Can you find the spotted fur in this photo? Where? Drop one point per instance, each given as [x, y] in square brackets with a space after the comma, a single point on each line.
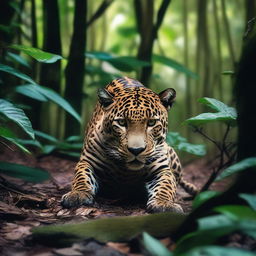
[125, 143]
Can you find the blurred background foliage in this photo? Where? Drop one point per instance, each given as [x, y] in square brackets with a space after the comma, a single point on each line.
[192, 46]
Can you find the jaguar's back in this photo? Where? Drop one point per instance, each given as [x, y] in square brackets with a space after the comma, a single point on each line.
[125, 142]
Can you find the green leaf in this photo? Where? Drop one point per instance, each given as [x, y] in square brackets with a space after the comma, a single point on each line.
[223, 114]
[74, 138]
[203, 197]
[46, 136]
[7, 134]
[23, 172]
[29, 91]
[55, 97]
[238, 167]
[175, 140]
[111, 229]
[237, 212]
[17, 115]
[17, 143]
[250, 199]
[16, 73]
[218, 106]
[19, 59]
[174, 64]
[154, 247]
[217, 251]
[48, 149]
[123, 63]
[214, 227]
[37, 54]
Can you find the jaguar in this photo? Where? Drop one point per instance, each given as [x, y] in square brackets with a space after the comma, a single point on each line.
[125, 143]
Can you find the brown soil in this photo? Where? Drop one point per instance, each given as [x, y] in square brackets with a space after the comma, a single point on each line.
[25, 205]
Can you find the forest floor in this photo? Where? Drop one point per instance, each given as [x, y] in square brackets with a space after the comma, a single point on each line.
[25, 205]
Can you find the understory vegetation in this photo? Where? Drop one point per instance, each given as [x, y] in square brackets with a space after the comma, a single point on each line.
[55, 54]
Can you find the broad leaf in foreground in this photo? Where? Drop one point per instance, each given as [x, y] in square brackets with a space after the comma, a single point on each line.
[43, 93]
[154, 247]
[175, 140]
[250, 199]
[223, 113]
[217, 251]
[37, 54]
[174, 64]
[16, 73]
[123, 63]
[111, 229]
[23, 172]
[17, 115]
[238, 167]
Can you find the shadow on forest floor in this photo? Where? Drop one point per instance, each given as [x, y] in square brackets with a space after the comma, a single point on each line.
[24, 205]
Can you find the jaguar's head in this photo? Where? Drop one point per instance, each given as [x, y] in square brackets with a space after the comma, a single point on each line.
[134, 123]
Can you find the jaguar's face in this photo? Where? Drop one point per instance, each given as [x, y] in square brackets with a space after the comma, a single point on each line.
[132, 130]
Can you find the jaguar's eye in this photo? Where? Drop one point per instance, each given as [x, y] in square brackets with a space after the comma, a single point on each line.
[151, 122]
[121, 122]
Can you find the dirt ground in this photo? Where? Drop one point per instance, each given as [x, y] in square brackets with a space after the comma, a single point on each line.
[25, 205]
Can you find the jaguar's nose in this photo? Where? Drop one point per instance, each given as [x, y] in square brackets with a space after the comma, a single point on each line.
[136, 151]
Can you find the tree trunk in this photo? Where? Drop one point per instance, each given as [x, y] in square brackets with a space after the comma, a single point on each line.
[144, 12]
[50, 75]
[76, 65]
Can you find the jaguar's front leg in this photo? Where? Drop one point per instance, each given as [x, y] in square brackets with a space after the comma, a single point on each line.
[161, 193]
[84, 187]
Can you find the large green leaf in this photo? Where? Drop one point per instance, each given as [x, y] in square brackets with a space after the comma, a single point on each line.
[37, 54]
[250, 199]
[154, 247]
[17, 115]
[212, 228]
[217, 251]
[224, 113]
[46, 136]
[29, 91]
[8, 135]
[237, 212]
[123, 63]
[19, 59]
[203, 197]
[178, 142]
[112, 229]
[55, 97]
[174, 64]
[43, 93]
[23, 172]
[16, 73]
[238, 167]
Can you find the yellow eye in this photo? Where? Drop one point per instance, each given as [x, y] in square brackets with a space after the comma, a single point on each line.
[121, 122]
[151, 122]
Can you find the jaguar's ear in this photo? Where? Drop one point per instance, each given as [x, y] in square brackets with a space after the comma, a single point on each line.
[167, 97]
[105, 98]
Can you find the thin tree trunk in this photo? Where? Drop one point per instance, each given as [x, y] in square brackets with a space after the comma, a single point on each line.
[218, 46]
[34, 36]
[50, 75]
[144, 12]
[144, 16]
[227, 33]
[189, 109]
[76, 65]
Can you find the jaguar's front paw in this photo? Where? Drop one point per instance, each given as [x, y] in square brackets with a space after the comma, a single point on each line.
[155, 207]
[76, 198]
